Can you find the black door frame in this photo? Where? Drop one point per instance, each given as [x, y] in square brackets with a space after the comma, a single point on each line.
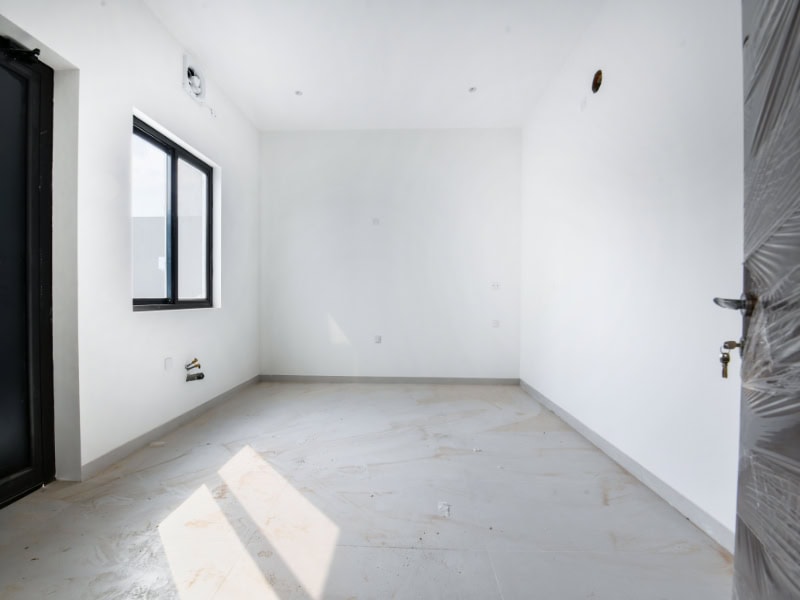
[25, 63]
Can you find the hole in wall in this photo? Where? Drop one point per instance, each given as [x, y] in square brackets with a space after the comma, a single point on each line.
[193, 80]
[597, 81]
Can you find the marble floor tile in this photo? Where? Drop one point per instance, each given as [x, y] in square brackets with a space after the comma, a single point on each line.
[360, 491]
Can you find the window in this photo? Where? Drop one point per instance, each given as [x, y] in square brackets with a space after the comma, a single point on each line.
[171, 197]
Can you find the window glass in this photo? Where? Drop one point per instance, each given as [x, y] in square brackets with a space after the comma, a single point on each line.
[192, 231]
[150, 208]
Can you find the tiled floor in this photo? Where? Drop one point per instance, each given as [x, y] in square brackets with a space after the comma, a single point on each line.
[342, 491]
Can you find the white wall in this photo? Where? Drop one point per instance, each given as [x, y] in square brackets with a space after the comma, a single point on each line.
[632, 222]
[448, 209]
[126, 60]
[66, 363]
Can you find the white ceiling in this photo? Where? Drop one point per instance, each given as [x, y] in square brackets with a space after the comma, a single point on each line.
[366, 64]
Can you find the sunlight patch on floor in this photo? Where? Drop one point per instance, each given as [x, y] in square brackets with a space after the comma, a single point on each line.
[299, 533]
[203, 550]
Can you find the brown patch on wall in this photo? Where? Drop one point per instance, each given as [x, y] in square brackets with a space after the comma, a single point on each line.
[726, 556]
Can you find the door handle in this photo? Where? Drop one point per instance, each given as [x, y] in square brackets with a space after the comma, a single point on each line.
[731, 303]
[745, 304]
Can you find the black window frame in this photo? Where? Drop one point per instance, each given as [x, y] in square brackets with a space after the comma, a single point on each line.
[175, 152]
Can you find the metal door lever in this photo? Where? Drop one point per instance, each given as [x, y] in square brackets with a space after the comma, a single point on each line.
[745, 304]
[730, 303]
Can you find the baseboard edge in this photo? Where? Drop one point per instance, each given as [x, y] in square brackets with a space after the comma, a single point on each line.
[371, 379]
[699, 517]
[101, 463]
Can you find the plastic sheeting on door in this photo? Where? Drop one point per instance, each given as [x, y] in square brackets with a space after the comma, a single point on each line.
[768, 513]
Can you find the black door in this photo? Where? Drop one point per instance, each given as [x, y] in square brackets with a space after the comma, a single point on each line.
[26, 391]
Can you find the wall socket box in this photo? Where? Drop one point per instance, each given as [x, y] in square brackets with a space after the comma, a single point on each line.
[378, 339]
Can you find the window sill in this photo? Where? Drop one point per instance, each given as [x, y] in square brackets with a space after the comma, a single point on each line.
[173, 306]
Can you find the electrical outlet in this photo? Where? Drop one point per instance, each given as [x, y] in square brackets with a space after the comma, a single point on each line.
[168, 363]
[495, 285]
[496, 324]
[376, 221]
[378, 339]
